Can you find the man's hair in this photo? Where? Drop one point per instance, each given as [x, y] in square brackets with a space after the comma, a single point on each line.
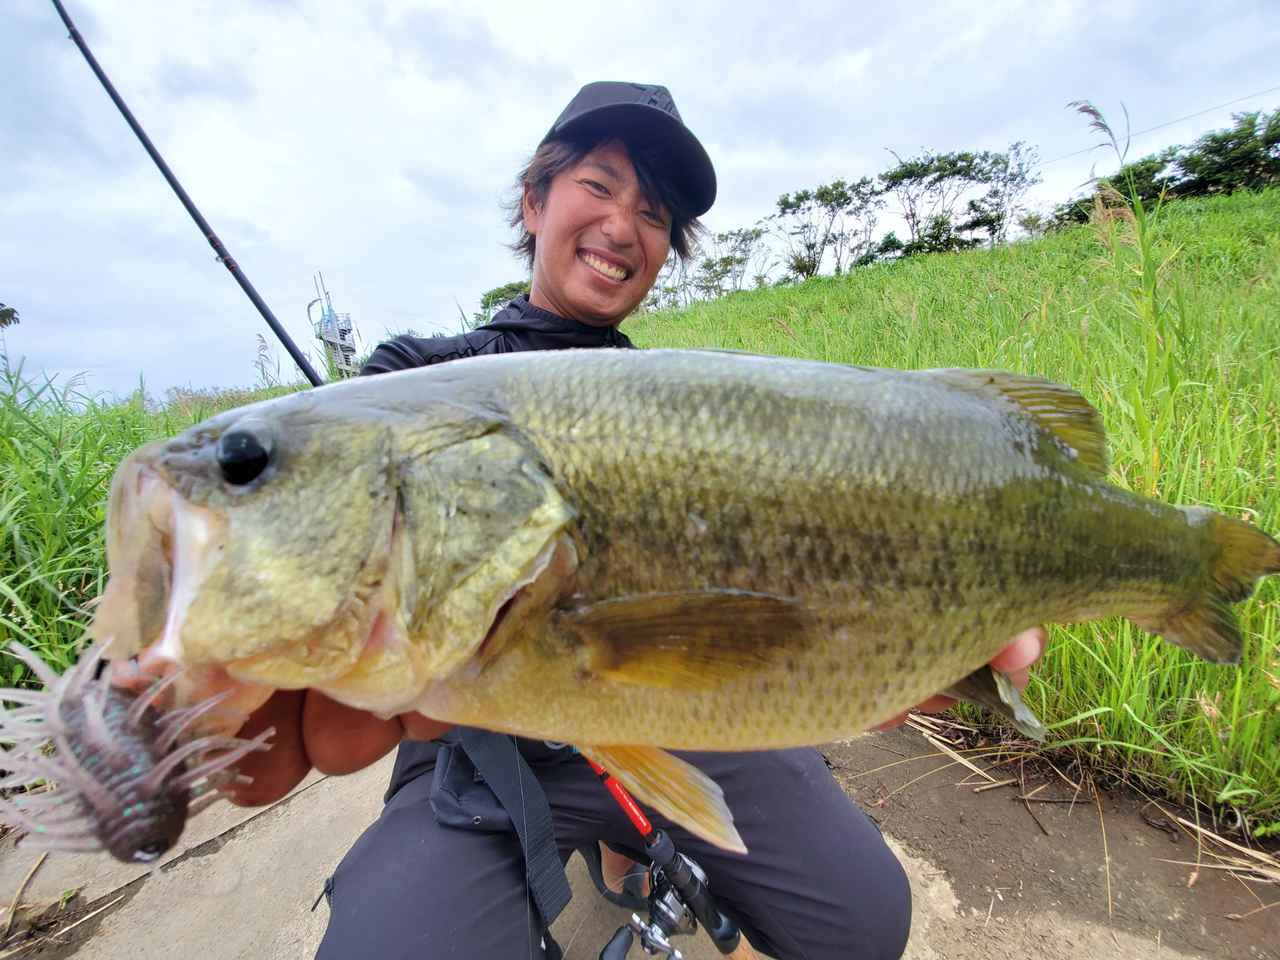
[556, 156]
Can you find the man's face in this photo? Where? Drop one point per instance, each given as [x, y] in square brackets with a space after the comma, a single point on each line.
[600, 243]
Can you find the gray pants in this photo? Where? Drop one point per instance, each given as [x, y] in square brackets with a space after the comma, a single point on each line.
[819, 882]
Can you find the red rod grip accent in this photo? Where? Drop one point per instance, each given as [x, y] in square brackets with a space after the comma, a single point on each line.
[629, 807]
[624, 799]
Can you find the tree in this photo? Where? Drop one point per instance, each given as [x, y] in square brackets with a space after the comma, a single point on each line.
[855, 222]
[1150, 178]
[8, 316]
[928, 187]
[889, 248]
[837, 217]
[498, 297]
[1243, 157]
[727, 259]
[711, 275]
[1033, 224]
[952, 201]
[673, 287]
[799, 221]
[749, 255]
[1008, 177]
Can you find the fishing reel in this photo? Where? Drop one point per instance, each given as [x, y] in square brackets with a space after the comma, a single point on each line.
[678, 901]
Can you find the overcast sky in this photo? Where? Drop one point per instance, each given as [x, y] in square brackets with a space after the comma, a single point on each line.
[374, 141]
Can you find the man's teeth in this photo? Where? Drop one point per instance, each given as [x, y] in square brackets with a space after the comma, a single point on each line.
[604, 266]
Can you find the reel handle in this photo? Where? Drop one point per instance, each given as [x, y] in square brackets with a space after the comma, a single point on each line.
[692, 888]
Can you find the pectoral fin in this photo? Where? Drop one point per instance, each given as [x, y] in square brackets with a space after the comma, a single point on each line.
[992, 689]
[685, 641]
[676, 789]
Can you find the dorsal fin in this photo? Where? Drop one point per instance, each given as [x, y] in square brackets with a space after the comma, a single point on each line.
[1060, 410]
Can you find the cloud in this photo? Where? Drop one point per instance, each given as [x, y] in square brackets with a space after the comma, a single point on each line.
[375, 142]
[184, 80]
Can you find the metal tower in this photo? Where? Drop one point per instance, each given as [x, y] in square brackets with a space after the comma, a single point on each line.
[335, 331]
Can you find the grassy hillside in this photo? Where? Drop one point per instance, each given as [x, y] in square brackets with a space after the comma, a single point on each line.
[1170, 324]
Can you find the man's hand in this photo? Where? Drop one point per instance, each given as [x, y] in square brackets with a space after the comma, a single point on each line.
[1015, 660]
[314, 731]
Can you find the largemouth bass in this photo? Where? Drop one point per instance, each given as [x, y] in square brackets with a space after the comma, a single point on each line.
[762, 552]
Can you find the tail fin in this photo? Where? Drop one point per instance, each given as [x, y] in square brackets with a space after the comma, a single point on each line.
[1242, 555]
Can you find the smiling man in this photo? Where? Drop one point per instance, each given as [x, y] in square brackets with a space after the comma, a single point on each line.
[602, 236]
[617, 183]
[465, 859]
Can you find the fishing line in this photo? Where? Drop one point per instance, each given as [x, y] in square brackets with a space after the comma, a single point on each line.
[1167, 123]
[524, 817]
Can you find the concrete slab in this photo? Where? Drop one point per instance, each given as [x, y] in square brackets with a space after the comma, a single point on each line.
[247, 891]
[96, 875]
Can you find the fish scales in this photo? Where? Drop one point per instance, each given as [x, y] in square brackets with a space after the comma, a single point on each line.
[924, 554]
[632, 550]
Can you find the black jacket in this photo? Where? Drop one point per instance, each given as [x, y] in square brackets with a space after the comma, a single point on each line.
[518, 326]
[469, 795]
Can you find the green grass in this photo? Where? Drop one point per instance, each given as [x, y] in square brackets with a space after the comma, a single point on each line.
[1170, 324]
[58, 450]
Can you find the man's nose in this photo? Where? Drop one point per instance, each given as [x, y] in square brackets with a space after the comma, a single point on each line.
[620, 226]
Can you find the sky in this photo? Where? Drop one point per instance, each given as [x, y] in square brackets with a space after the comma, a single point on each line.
[376, 142]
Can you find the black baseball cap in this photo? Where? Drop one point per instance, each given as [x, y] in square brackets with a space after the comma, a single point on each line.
[642, 112]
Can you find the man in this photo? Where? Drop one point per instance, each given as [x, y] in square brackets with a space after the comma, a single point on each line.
[453, 867]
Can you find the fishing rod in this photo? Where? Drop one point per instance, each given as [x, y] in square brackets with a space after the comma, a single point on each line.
[679, 898]
[218, 248]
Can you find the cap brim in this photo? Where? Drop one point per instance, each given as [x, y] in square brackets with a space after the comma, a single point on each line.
[687, 164]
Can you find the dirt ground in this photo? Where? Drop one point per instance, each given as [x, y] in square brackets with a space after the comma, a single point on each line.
[1030, 879]
[992, 876]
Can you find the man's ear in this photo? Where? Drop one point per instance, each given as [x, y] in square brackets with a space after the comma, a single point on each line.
[531, 209]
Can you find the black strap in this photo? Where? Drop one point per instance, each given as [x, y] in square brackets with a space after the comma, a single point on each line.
[497, 759]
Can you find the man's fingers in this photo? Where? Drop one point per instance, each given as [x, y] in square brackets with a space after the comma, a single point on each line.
[276, 771]
[418, 727]
[1016, 659]
[341, 739]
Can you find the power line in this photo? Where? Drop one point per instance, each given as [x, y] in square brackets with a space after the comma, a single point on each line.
[1170, 123]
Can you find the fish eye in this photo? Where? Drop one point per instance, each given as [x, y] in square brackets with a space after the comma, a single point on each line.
[243, 453]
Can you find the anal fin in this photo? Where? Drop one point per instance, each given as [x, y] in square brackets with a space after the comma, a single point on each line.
[674, 788]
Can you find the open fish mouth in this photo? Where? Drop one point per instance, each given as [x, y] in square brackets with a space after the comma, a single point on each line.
[132, 611]
[158, 547]
[167, 613]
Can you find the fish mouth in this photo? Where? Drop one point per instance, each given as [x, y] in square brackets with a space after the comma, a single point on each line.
[162, 553]
[196, 590]
[133, 609]
[158, 545]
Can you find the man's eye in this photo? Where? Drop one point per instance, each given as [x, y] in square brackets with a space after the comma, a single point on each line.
[595, 187]
[655, 218]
